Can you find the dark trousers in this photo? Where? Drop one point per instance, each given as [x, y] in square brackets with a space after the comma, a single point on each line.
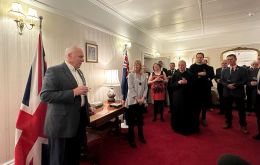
[196, 116]
[240, 104]
[135, 117]
[66, 151]
[203, 113]
[170, 93]
[203, 98]
[250, 98]
[220, 93]
[257, 111]
[158, 107]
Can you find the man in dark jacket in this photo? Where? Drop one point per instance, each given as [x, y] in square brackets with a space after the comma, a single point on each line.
[233, 80]
[224, 65]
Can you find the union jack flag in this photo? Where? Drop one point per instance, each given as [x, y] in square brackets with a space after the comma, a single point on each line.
[29, 126]
[124, 85]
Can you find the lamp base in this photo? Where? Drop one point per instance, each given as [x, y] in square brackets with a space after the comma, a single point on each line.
[111, 95]
[111, 100]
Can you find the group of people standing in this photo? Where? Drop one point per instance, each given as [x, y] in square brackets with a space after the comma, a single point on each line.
[189, 91]
[65, 91]
[234, 84]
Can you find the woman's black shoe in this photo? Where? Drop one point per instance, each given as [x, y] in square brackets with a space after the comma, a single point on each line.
[132, 144]
[142, 140]
[256, 137]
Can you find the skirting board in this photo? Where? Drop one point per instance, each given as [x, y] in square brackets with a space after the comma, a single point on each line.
[11, 162]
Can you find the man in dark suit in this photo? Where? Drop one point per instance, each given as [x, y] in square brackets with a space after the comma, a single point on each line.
[163, 69]
[64, 90]
[251, 88]
[224, 65]
[210, 84]
[257, 109]
[233, 80]
[169, 75]
[201, 86]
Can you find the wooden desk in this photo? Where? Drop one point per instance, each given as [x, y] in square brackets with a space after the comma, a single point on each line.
[104, 114]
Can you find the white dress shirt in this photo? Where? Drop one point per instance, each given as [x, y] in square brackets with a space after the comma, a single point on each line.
[78, 79]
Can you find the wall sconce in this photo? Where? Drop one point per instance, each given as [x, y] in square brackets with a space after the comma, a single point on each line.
[157, 54]
[128, 44]
[16, 9]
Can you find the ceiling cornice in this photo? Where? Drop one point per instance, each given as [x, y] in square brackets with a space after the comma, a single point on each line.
[108, 8]
[73, 17]
[91, 24]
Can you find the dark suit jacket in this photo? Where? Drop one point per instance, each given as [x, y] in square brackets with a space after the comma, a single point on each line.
[252, 75]
[239, 78]
[64, 110]
[165, 70]
[169, 73]
[218, 76]
[211, 75]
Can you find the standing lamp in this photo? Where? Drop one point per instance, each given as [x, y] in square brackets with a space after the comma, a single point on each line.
[111, 80]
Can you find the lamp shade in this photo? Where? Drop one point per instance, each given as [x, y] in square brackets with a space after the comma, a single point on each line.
[32, 14]
[16, 9]
[111, 78]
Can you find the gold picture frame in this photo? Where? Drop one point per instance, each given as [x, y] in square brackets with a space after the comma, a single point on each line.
[91, 53]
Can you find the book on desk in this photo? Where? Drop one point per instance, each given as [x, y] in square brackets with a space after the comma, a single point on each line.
[116, 105]
[96, 104]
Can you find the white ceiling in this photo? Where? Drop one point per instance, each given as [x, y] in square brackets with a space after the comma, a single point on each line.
[177, 20]
[178, 24]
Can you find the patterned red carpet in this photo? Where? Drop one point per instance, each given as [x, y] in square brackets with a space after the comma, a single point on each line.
[165, 147]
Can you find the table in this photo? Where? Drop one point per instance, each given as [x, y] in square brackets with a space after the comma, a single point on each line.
[106, 113]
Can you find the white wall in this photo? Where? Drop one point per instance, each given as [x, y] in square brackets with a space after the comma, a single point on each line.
[150, 61]
[16, 54]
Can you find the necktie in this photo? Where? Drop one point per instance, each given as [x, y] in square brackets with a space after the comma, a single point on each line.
[85, 99]
[81, 76]
[232, 70]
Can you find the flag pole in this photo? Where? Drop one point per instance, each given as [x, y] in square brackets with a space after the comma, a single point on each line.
[124, 124]
[41, 18]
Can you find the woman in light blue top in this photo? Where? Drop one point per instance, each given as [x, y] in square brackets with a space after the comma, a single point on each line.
[136, 98]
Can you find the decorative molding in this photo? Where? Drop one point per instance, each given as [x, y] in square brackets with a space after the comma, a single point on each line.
[108, 8]
[238, 48]
[73, 17]
[84, 21]
[241, 48]
[208, 47]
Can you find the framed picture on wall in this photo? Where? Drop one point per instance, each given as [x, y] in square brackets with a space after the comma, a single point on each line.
[91, 53]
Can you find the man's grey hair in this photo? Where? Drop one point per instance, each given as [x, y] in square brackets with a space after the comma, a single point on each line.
[71, 49]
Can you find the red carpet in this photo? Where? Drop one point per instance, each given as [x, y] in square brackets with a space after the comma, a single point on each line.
[166, 147]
